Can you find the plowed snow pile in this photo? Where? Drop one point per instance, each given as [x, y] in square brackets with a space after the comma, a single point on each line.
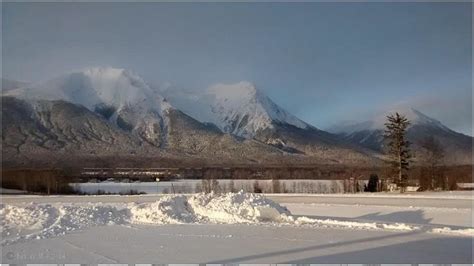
[227, 208]
[36, 221]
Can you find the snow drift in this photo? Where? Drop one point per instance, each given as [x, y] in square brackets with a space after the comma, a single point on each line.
[37, 221]
[227, 208]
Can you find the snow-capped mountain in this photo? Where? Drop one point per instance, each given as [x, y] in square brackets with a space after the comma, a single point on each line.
[114, 111]
[369, 134]
[97, 86]
[240, 109]
[120, 96]
[378, 122]
[103, 89]
[110, 112]
[245, 111]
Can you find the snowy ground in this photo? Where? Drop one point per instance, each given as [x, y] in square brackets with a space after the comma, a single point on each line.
[363, 228]
[6, 191]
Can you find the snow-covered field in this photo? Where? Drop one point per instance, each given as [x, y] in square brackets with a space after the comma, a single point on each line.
[240, 227]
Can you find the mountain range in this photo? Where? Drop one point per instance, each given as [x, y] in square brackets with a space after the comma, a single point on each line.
[99, 112]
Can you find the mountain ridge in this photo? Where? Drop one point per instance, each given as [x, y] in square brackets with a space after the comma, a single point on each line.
[82, 111]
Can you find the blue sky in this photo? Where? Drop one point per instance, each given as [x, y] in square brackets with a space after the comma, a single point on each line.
[324, 62]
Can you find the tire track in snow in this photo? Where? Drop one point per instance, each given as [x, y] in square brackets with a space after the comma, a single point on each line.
[89, 251]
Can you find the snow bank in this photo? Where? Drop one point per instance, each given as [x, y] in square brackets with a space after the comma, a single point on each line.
[6, 191]
[27, 218]
[353, 225]
[464, 195]
[237, 208]
[36, 221]
[400, 226]
[227, 208]
[167, 210]
[449, 231]
[44, 220]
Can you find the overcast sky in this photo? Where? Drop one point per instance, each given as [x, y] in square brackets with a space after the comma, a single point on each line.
[324, 62]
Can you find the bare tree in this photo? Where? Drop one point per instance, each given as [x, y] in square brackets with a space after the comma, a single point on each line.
[206, 185]
[232, 186]
[215, 187]
[334, 188]
[276, 186]
[434, 154]
[398, 147]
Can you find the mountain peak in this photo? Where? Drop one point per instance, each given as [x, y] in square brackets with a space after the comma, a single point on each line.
[236, 90]
[103, 71]
[93, 86]
[243, 90]
[415, 117]
[117, 94]
[238, 108]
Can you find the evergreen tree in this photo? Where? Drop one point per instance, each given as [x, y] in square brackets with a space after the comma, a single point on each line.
[256, 187]
[373, 184]
[398, 147]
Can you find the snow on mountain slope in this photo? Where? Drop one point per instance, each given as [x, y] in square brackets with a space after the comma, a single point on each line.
[97, 86]
[243, 110]
[106, 110]
[118, 95]
[240, 108]
[378, 122]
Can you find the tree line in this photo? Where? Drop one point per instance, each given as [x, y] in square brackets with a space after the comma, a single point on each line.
[44, 181]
